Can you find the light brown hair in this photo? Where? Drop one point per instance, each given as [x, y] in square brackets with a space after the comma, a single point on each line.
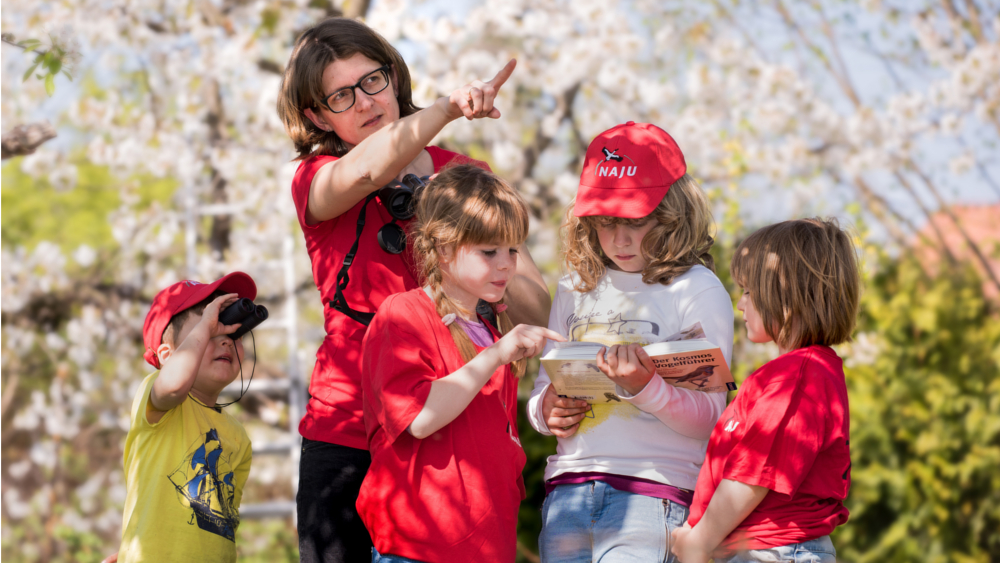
[466, 205]
[302, 83]
[680, 239]
[803, 279]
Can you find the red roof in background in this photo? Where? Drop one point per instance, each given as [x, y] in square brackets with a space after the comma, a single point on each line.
[981, 223]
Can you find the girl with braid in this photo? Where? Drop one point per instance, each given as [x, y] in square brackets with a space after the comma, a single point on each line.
[440, 385]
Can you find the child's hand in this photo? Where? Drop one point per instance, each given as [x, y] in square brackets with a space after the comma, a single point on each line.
[210, 317]
[523, 342]
[562, 415]
[628, 366]
[685, 548]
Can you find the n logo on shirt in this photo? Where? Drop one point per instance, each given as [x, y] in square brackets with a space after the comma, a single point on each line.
[731, 425]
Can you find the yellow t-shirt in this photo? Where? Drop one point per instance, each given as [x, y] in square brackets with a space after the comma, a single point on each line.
[184, 478]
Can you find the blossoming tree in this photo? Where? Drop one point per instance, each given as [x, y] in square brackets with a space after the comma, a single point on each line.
[863, 110]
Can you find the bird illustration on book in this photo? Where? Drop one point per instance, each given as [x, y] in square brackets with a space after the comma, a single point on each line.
[689, 333]
[205, 482]
[611, 155]
[611, 397]
[699, 376]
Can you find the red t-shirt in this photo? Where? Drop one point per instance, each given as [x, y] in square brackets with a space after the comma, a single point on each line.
[454, 495]
[333, 413]
[788, 430]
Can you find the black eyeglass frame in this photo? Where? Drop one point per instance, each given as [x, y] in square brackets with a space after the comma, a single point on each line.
[384, 69]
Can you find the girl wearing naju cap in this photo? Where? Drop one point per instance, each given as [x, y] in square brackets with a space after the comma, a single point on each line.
[440, 384]
[637, 242]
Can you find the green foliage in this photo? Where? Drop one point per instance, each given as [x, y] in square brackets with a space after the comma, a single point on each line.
[267, 541]
[925, 413]
[39, 539]
[59, 57]
[34, 210]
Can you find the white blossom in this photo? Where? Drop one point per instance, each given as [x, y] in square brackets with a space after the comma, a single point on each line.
[745, 113]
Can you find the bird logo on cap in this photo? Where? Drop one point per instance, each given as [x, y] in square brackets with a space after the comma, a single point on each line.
[611, 155]
[611, 170]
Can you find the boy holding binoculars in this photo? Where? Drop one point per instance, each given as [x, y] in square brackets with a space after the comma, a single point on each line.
[186, 461]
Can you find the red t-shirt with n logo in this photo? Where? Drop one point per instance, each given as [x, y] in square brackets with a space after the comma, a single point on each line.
[788, 430]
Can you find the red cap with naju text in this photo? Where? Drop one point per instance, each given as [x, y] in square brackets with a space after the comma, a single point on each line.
[627, 171]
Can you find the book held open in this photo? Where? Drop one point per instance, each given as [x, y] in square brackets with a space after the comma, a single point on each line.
[686, 359]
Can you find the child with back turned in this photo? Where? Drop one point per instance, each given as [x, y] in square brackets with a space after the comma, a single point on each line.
[637, 243]
[778, 467]
[440, 384]
[186, 461]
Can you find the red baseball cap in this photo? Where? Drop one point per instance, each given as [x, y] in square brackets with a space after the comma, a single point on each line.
[184, 295]
[627, 171]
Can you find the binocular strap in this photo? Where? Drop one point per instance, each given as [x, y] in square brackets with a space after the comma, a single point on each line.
[339, 302]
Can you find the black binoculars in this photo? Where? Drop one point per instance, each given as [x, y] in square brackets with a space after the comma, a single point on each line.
[245, 312]
[400, 197]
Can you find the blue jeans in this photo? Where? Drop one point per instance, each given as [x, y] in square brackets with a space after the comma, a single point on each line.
[593, 522]
[819, 550]
[379, 558]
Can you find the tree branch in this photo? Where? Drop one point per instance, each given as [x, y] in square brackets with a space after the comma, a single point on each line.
[215, 119]
[956, 21]
[974, 24]
[880, 207]
[355, 9]
[10, 390]
[844, 73]
[927, 213]
[883, 207]
[843, 81]
[24, 139]
[735, 22]
[268, 65]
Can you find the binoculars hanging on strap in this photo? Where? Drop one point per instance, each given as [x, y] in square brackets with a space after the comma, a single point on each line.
[399, 198]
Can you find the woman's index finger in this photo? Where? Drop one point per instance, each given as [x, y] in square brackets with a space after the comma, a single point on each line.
[504, 74]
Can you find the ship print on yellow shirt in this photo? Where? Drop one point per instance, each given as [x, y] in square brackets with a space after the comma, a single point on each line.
[204, 482]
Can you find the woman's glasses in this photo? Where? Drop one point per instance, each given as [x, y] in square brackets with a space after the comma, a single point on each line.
[371, 84]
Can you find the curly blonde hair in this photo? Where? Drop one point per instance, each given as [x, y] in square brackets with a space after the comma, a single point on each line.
[680, 239]
[466, 205]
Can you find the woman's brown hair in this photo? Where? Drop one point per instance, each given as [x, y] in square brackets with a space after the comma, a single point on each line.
[302, 83]
[680, 239]
[466, 205]
[803, 279]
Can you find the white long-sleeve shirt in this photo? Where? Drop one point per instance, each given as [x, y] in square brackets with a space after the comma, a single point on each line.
[662, 432]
